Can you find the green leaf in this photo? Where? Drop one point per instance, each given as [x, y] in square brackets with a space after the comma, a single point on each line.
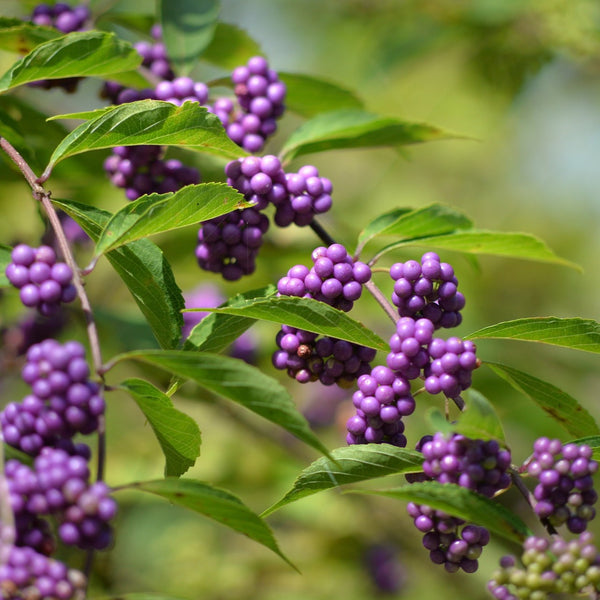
[176, 432]
[496, 243]
[158, 213]
[564, 409]
[235, 380]
[21, 37]
[230, 47]
[350, 128]
[593, 441]
[437, 421]
[187, 29]
[351, 464]
[5, 260]
[217, 504]
[308, 96]
[406, 223]
[13, 453]
[144, 270]
[78, 54]
[31, 134]
[149, 122]
[479, 420]
[575, 333]
[306, 313]
[217, 331]
[462, 503]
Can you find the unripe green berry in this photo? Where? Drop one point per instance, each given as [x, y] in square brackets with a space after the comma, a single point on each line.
[593, 574]
[581, 565]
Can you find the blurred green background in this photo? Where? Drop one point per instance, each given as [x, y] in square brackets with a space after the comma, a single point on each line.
[519, 80]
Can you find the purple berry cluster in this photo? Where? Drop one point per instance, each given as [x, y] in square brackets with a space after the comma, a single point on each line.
[409, 346]
[43, 283]
[261, 180]
[383, 398]
[61, 16]
[384, 567]
[26, 574]
[550, 567]
[66, 19]
[565, 493]
[155, 59]
[55, 495]
[452, 362]
[450, 542]
[307, 357]
[142, 170]
[308, 195]
[230, 243]
[260, 95]
[154, 55]
[475, 464]
[180, 90]
[224, 241]
[58, 485]
[446, 365]
[335, 278]
[427, 289]
[478, 465]
[63, 401]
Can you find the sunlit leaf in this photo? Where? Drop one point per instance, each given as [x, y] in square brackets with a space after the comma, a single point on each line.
[349, 465]
[462, 503]
[78, 54]
[217, 331]
[144, 270]
[21, 36]
[159, 213]
[149, 122]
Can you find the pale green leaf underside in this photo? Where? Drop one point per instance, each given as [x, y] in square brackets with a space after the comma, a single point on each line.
[352, 128]
[217, 504]
[177, 433]
[561, 407]
[575, 333]
[495, 243]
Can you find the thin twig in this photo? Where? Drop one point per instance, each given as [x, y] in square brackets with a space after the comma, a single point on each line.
[43, 196]
[391, 312]
[320, 231]
[518, 481]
